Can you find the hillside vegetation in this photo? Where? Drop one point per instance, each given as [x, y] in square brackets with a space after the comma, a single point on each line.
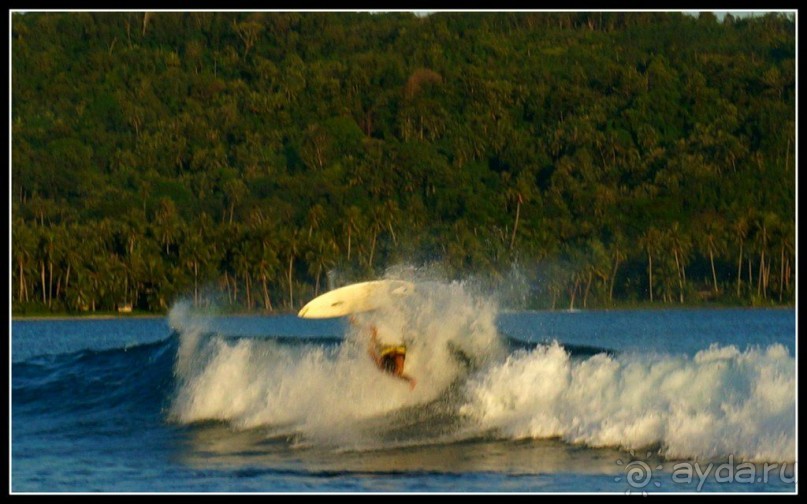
[613, 158]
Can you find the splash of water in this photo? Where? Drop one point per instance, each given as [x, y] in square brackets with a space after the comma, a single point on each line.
[721, 402]
[330, 394]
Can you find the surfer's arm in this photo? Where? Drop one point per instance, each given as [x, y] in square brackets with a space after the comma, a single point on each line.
[374, 355]
[372, 349]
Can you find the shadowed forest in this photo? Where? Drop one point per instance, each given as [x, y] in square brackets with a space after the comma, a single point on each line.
[613, 159]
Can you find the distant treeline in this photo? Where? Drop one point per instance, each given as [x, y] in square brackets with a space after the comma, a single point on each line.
[614, 158]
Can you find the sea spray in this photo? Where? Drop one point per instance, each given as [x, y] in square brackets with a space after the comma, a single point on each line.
[330, 395]
[191, 327]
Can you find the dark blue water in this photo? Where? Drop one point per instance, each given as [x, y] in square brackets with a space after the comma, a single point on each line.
[280, 404]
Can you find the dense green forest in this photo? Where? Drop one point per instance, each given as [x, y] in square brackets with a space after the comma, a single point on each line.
[237, 158]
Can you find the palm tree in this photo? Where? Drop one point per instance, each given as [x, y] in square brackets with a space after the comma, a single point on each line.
[155, 279]
[267, 264]
[518, 192]
[45, 254]
[352, 224]
[390, 208]
[244, 252]
[292, 244]
[235, 190]
[596, 265]
[765, 224]
[740, 229]
[130, 230]
[82, 290]
[713, 234]
[618, 254]
[779, 233]
[788, 248]
[228, 237]
[681, 245]
[195, 253]
[78, 292]
[650, 242]
[167, 223]
[321, 257]
[315, 216]
[376, 226]
[22, 248]
[519, 200]
[65, 252]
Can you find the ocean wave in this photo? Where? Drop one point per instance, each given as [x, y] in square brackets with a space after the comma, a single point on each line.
[474, 383]
[133, 377]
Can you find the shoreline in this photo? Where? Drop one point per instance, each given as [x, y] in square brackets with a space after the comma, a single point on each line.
[112, 316]
[62, 316]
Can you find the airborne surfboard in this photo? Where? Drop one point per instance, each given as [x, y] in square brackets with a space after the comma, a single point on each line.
[356, 298]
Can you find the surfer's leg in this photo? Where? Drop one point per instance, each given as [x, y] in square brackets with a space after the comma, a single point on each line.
[400, 358]
[412, 381]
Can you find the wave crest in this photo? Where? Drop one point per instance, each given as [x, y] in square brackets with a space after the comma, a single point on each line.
[719, 403]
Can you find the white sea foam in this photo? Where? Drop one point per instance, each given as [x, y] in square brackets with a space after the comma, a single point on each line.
[720, 402]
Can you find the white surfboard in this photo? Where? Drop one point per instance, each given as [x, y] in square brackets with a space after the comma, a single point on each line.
[355, 298]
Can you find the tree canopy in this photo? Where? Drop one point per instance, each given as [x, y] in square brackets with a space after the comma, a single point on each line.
[238, 158]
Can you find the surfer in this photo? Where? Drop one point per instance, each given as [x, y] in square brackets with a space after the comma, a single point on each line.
[388, 358]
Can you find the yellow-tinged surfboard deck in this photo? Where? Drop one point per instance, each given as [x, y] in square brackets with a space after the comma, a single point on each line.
[356, 298]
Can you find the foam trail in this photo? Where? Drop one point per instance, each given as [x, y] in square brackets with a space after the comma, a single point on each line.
[721, 402]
